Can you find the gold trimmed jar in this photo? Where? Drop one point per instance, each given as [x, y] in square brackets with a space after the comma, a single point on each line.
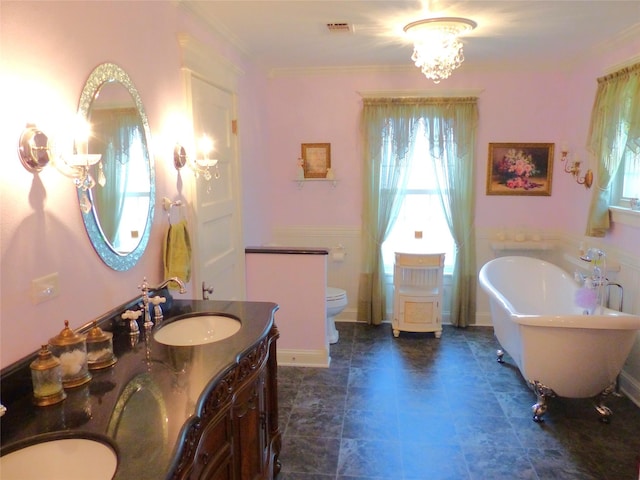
[70, 349]
[99, 348]
[46, 376]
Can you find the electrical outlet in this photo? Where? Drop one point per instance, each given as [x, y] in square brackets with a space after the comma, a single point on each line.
[45, 288]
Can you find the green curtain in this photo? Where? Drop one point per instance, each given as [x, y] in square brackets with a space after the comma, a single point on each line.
[613, 132]
[450, 126]
[388, 128]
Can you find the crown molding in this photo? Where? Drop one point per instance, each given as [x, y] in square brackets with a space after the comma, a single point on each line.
[333, 70]
[436, 92]
[619, 66]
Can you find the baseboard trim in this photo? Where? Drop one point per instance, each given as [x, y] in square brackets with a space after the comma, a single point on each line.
[348, 315]
[483, 320]
[303, 358]
[630, 387]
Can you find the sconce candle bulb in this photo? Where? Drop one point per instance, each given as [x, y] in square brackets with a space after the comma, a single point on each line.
[205, 145]
[201, 164]
[36, 152]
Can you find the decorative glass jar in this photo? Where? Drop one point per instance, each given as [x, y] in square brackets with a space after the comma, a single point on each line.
[70, 349]
[99, 348]
[46, 376]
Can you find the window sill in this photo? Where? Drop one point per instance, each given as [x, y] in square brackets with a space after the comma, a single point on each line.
[625, 216]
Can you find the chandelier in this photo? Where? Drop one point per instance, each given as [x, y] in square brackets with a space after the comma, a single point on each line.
[436, 49]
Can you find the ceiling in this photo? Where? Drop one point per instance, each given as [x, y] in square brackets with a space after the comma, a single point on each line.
[293, 34]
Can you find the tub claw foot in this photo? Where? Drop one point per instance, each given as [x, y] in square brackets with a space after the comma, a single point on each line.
[542, 394]
[539, 409]
[604, 411]
[500, 355]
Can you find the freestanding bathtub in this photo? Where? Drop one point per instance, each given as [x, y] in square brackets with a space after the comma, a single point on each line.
[558, 349]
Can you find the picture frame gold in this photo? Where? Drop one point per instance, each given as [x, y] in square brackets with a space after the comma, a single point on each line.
[520, 169]
[316, 159]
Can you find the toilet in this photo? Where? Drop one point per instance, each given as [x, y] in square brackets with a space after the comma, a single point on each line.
[336, 302]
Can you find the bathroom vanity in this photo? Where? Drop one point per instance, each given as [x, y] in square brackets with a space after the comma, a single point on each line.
[181, 412]
[417, 298]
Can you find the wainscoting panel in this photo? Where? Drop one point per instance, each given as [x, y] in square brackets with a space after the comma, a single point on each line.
[553, 246]
[344, 271]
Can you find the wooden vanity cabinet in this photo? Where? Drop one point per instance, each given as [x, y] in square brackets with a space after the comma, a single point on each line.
[237, 436]
[213, 457]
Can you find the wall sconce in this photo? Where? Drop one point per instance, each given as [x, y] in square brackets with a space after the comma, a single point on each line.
[573, 167]
[35, 152]
[200, 165]
[33, 148]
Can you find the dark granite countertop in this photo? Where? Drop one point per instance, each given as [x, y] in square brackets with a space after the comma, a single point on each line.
[147, 399]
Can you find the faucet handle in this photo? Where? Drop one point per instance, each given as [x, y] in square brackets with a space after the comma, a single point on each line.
[131, 314]
[157, 310]
[157, 300]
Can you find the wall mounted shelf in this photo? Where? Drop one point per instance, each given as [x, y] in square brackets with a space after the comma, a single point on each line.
[610, 265]
[525, 245]
[301, 182]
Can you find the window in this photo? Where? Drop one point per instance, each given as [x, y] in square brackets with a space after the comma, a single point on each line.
[422, 211]
[134, 181]
[627, 182]
[631, 176]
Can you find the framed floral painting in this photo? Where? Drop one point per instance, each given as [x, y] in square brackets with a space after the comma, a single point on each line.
[520, 169]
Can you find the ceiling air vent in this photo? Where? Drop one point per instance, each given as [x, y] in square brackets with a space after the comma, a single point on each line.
[340, 27]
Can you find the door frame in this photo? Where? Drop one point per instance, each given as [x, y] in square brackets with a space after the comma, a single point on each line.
[199, 60]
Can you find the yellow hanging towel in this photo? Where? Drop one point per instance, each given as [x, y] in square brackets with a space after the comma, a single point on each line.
[176, 253]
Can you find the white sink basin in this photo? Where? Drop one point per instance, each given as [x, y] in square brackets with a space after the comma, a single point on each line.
[68, 458]
[197, 330]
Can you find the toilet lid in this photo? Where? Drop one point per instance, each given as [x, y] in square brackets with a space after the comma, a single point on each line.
[335, 293]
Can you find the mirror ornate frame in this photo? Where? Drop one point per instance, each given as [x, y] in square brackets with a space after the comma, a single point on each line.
[102, 74]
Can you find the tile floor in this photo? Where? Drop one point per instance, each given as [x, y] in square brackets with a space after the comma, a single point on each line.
[418, 408]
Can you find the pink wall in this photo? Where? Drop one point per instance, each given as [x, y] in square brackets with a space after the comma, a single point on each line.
[299, 291]
[525, 107]
[48, 51]
[515, 106]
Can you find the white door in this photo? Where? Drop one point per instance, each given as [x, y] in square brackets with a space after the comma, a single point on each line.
[218, 252]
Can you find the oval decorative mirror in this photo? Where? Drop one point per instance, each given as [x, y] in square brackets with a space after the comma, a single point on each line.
[119, 213]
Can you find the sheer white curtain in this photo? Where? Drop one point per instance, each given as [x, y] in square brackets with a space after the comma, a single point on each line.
[390, 126]
[120, 129]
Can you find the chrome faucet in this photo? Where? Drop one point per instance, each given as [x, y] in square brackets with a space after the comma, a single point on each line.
[598, 276]
[183, 288]
[145, 288]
